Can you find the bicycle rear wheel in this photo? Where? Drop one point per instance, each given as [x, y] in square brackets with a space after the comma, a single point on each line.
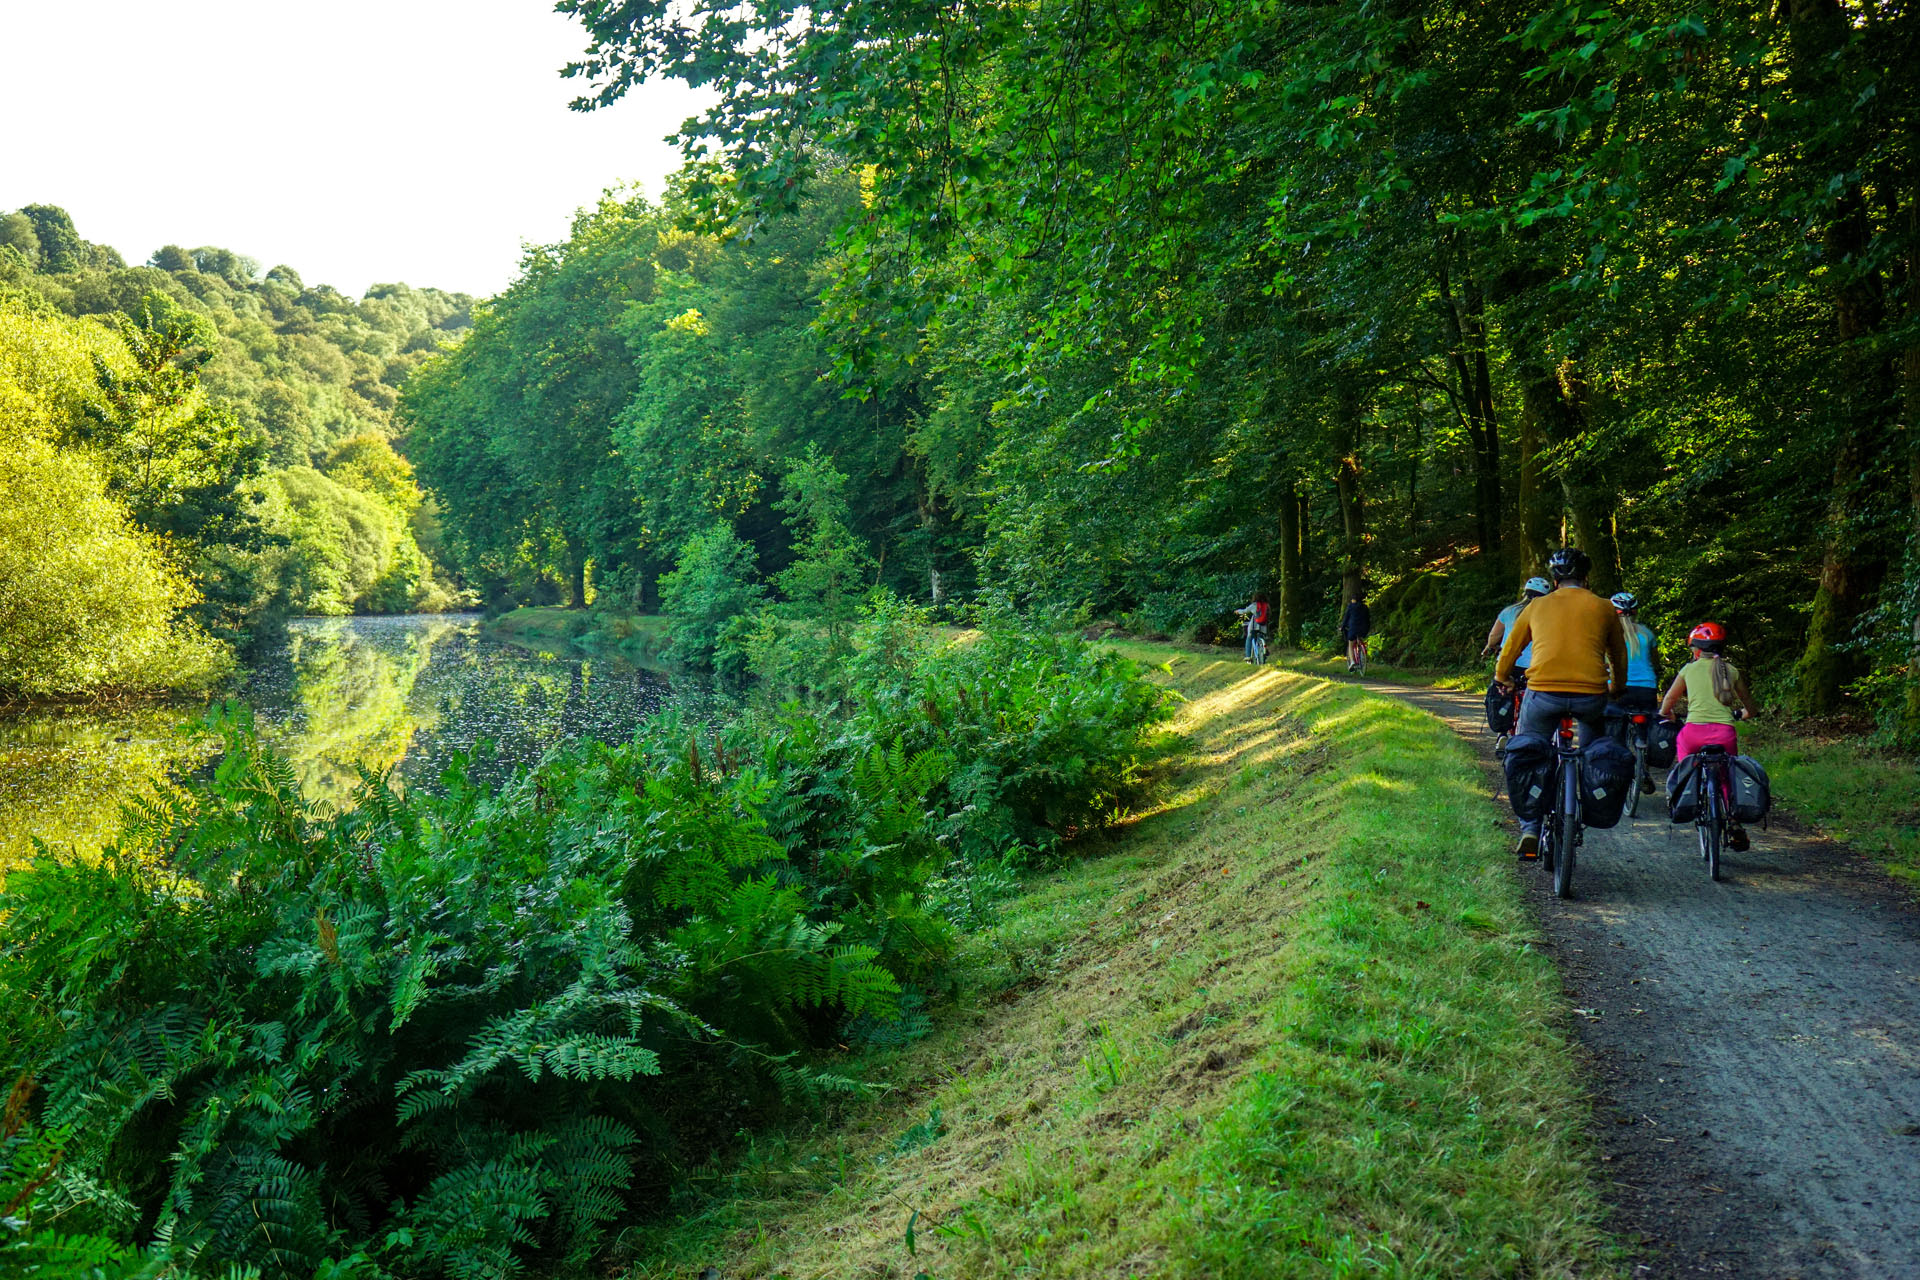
[1566, 823]
[1713, 826]
[1639, 768]
[1709, 831]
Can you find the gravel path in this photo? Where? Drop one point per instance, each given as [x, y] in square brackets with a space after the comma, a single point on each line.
[1755, 1043]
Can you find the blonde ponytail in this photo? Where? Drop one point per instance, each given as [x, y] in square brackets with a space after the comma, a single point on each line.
[1723, 681]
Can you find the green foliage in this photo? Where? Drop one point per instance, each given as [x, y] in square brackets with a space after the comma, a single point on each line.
[641, 381]
[709, 598]
[87, 598]
[1319, 297]
[179, 384]
[825, 581]
[460, 1033]
[143, 409]
[349, 552]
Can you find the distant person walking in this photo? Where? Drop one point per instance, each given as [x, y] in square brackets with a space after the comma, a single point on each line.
[1356, 624]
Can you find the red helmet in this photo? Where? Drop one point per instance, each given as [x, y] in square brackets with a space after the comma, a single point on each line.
[1707, 633]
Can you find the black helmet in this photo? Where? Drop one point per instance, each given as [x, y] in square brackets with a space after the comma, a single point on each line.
[1569, 562]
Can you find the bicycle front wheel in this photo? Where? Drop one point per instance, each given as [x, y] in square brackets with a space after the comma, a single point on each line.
[1566, 822]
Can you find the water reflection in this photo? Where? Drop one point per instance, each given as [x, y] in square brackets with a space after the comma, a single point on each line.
[400, 694]
[64, 775]
[407, 693]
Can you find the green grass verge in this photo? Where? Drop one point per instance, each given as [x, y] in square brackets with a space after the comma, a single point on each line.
[1863, 795]
[1290, 1022]
[637, 638]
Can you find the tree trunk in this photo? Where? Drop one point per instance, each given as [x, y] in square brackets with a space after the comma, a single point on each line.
[1556, 414]
[1353, 512]
[646, 596]
[1465, 316]
[1910, 399]
[1591, 513]
[1538, 507]
[1591, 497]
[1413, 482]
[576, 577]
[1849, 570]
[1292, 567]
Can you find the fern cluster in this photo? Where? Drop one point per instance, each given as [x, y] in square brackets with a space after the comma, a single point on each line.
[463, 1031]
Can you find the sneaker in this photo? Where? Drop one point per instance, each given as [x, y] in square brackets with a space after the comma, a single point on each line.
[1737, 838]
[1528, 849]
[1646, 784]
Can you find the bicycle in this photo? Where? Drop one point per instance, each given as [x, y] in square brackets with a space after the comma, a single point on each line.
[1561, 831]
[1256, 638]
[1634, 728]
[1711, 817]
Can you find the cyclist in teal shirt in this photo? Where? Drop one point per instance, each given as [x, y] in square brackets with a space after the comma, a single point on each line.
[1643, 679]
[1535, 588]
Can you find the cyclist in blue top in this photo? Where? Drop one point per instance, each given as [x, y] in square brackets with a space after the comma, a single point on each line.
[1643, 679]
[1535, 588]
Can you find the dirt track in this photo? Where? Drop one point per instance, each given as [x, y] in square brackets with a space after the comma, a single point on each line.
[1755, 1043]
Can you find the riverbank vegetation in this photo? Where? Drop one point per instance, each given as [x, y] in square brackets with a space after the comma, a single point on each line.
[1290, 1021]
[190, 452]
[458, 1032]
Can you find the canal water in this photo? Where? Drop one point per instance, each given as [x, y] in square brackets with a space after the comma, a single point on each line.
[392, 694]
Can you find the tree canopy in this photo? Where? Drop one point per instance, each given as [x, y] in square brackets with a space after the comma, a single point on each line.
[208, 448]
[1185, 301]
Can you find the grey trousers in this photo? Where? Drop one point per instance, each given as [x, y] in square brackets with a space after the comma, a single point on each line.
[1541, 713]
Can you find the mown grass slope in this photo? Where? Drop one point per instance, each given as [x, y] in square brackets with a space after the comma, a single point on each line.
[1291, 1022]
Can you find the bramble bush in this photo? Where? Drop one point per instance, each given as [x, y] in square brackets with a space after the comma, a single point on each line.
[462, 1032]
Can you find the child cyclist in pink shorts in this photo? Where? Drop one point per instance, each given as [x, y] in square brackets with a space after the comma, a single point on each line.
[1716, 696]
[1711, 687]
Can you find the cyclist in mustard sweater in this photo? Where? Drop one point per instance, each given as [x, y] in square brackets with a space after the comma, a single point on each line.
[1579, 657]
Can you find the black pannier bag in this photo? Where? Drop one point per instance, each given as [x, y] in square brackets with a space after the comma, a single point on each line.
[1529, 764]
[1500, 713]
[1752, 793]
[1683, 797]
[1606, 775]
[1663, 744]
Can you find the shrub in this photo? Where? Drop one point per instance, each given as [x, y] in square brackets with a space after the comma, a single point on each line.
[457, 1033]
[87, 599]
[709, 597]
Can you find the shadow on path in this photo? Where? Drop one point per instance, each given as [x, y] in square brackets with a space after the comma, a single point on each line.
[1755, 1043]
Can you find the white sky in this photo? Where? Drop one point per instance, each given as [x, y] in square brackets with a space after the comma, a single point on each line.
[356, 141]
